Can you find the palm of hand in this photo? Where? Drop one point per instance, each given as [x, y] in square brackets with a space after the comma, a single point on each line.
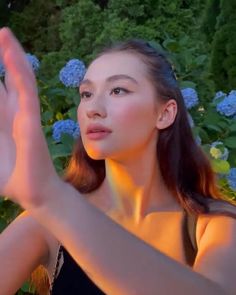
[26, 166]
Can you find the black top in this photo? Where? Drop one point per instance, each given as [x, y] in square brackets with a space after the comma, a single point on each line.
[72, 280]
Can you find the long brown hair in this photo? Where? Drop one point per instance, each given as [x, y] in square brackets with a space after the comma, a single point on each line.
[185, 168]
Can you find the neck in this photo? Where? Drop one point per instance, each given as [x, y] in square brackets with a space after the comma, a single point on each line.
[136, 188]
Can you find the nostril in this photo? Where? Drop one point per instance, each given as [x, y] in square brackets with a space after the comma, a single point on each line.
[91, 113]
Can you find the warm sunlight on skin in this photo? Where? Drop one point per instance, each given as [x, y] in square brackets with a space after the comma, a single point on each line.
[119, 117]
[127, 106]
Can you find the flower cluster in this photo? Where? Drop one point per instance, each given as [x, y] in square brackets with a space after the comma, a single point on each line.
[72, 73]
[218, 151]
[33, 60]
[2, 70]
[231, 177]
[67, 126]
[219, 94]
[190, 97]
[227, 106]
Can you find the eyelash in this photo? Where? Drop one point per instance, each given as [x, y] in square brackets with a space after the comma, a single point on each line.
[120, 88]
[112, 91]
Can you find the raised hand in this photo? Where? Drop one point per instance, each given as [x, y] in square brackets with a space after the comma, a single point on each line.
[26, 168]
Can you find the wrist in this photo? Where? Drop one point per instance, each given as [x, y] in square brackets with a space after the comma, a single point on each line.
[48, 194]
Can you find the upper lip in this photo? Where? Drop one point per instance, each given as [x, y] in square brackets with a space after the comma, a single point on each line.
[97, 128]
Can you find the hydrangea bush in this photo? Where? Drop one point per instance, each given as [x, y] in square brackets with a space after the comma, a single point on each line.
[214, 128]
[213, 125]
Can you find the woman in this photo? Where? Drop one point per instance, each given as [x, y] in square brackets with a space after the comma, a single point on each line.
[120, 209]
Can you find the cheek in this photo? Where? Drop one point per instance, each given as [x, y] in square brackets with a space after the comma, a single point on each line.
[138, 115]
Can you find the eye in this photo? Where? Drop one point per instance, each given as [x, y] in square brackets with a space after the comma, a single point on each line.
[85, 94]
[119, 90]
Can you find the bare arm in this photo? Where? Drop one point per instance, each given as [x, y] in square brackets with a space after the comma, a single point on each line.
[216, 258]
[119, 262]
[22, 248]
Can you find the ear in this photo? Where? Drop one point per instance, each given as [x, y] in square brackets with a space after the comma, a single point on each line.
[167, 114]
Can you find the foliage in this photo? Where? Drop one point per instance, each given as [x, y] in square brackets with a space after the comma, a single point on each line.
[211, 126]
[42, 34]
[78, 29]
[8, 6]
[67, 29]
[221, 24]
[211, 12]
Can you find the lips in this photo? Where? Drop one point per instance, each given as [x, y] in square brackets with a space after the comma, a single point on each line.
[97, 128]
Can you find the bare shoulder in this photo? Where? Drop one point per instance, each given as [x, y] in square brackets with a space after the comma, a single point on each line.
[216, 257]
[215, 221]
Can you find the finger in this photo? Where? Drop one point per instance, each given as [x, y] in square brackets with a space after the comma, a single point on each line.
[19, 74]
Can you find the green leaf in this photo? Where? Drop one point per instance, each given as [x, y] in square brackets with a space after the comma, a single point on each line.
[220, 166]
[212, 118]
[171, 45]
[187, 84]
[47, 129]
[63, 149]
[232, 127]
[76, 99]
[3, 224]
[25, 287]
[213, 127]
[201, 59]
[230, 142]
[203, 135]
[60, 150]
[67, 140]
[223, 124]
[56, 91]
[156, 45]
[46, 116]
[72, 113]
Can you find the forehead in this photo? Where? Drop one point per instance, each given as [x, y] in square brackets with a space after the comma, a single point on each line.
[116, 63]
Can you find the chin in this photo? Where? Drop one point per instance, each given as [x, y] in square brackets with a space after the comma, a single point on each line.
[96, 155]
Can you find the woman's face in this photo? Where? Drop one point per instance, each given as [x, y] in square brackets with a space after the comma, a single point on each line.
[118, 109]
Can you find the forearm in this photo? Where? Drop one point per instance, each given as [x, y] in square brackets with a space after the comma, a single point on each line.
[118, 262]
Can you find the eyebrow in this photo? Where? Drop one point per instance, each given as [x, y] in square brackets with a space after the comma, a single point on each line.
[111, 79]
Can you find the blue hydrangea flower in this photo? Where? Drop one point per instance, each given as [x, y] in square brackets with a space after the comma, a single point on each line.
[33, 60]
[190, 97]
[2, 70]
[72, 73]
[190, 120]
[227, 106]
[232, 92]
[231, 177]
[219, 94]
[65, 126]
[217, 153]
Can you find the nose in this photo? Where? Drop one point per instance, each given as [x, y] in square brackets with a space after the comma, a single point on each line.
[96, 109]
